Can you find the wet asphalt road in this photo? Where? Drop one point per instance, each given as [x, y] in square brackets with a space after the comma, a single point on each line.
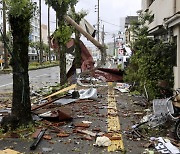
[95, 112]
[38, 79]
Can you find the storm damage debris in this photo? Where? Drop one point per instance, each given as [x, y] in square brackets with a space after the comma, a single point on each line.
[37, 140]
[163, 145]
[122, 87]
[10, 151]
[103, 141]
[62, 114]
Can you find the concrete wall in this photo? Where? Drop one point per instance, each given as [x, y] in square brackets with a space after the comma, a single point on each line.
[177, 5]
[161, 9]
[176, 31]
[44, 33]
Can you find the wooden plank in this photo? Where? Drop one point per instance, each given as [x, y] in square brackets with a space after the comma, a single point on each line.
[61, 91]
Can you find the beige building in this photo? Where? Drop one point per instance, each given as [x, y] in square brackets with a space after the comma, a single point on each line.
[44, 33]
[166, 26]
[129, 37]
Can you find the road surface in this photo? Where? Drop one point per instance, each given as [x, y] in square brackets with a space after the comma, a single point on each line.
[38, 79]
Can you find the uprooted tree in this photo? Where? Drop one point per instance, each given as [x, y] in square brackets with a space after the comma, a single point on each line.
[63, 33]
[20, 13]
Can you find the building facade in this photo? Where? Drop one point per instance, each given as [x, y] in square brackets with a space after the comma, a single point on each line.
[166, 26]
[128, 34]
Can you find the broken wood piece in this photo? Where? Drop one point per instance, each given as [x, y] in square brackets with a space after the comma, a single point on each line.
[37, 140]
[47, 137]
[61, 91]
[10, 151]
[115, 138]
[84, 100]
[36, 133]
[85, 125]
[87, 137]
[63, 134]
[40, 106]
[86, 132]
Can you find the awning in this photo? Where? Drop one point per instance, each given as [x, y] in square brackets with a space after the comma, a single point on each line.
[174, 20]
[159, 29]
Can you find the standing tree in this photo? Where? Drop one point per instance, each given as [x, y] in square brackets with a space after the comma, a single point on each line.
[20, 13]
[152, 62]
[63, 33]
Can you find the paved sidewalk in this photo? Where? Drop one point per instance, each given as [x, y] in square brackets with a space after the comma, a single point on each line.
[111, 115]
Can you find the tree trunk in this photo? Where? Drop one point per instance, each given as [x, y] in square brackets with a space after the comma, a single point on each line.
[62, 64]
[77, 50]
[21, 106]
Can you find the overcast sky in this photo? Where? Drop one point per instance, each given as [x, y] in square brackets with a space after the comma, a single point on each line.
[111, 14]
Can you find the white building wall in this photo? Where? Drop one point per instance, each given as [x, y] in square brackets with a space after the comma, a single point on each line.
[176, 32]
[161, 9]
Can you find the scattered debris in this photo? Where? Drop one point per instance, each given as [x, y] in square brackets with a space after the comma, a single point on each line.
[47, 149]
[164, 146]
[64, 101]
[9, 151]
[47, 137]
[86, 132]
[37, 140]
[103, 141]
[61, 134]
[84, 125]
[122, 87]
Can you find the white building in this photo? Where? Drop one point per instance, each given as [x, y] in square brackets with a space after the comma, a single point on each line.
[166, 26]
[34, 37]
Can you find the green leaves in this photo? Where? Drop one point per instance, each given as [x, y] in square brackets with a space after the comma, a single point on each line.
[152, 60]
[23, 8]
[63, 34]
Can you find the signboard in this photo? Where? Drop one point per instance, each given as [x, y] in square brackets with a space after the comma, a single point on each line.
[1, 61]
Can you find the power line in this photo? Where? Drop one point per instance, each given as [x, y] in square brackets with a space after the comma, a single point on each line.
[110, 23]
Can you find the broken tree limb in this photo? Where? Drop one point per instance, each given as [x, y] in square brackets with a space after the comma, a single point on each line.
[89, 37]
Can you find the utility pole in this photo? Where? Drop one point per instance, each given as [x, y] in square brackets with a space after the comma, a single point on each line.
[103, 36]
[49, 50]
[114, 36]
[98, 21]
[4, 35]
[40, 34]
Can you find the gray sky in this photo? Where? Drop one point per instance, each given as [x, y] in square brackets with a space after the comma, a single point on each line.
[111, 13]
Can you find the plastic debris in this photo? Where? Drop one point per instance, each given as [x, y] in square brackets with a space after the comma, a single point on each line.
[165, 146]
[103, 141]
[88, 94]
[47, 149]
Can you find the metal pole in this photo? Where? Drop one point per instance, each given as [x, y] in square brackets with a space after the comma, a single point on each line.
[4, 35]
[114, 36]
[49, 50]
[103, 36]
[98, 22]
[40, 33]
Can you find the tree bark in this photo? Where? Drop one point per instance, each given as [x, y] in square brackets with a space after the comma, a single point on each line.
[62, 64]
[21, 106]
